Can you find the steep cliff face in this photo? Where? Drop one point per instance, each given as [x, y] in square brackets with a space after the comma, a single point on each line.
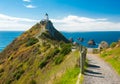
[54, 33]
[38, 56]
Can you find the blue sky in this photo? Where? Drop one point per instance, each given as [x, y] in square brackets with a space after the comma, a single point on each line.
[63, 13]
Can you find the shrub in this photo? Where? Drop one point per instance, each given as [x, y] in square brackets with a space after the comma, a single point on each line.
[1, 70]
[8, 82]
[66, 48]
[56, 51]
[39, 52]
[43, 63]
[32, 82]
[113, 44]
[45, 35]
[53, 53]
[10, 58]
[95, 51]
[48, 57]
[18, 74]
[59, 59]
[104, 54]
[31, 41]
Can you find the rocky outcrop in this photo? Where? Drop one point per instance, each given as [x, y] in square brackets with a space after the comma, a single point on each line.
[53, 32]
[103, 45]
[91, 42]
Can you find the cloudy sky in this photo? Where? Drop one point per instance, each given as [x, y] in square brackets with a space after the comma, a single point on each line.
[67, 15]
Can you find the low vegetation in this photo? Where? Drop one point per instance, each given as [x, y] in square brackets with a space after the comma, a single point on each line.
[18, 74]
[65, 49]
[32, 82]
[96, 51]
[113, 44]
[32, 60]
[112, 56]
[70, 76]
[31, 41]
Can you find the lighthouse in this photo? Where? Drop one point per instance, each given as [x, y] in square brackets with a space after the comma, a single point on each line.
[46, 17]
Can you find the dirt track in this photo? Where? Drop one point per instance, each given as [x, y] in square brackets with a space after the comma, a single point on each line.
[99, 72]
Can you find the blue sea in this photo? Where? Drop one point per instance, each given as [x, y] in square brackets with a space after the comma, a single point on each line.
[108, 36]
[6, 37]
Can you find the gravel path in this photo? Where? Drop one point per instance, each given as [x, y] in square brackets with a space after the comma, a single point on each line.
[99, 72]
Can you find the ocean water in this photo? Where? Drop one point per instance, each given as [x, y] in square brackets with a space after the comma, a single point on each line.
[109, 37]
[6, 37]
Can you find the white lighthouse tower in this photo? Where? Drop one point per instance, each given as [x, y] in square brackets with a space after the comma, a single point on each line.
[46, 17]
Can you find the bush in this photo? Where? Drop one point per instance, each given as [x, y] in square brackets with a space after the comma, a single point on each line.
[104, 54]
[95, 51]
[1, 70]
[31, 41]
[8, 82]
[45, 35]
[48, 57]
[54, 52]
[66, 48]
[43, 63]
[113, 44]
[59, 59]
[10, 58]
[32, 82]
[18, 74]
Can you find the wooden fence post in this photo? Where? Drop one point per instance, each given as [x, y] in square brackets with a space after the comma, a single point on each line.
[82, 62]
[82, 59]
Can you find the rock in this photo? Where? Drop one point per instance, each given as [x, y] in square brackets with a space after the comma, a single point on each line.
[81, 39]
[75, 43]
[103, 45]
[91, 42]
[71, 40]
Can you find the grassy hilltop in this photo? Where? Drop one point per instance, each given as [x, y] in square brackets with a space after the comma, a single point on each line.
[40, 55]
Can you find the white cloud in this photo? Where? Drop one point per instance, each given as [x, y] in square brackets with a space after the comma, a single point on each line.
[27, 0]
[69, 23]
[76, 23]
[14, 23]
[30, 6]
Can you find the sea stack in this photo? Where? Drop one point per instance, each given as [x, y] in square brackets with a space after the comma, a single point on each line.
[91, 42]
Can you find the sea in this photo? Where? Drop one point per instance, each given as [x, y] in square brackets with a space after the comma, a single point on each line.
[6, 37]
[97, 36]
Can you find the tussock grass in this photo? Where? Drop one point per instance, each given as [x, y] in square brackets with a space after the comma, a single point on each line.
[70, 76]
[113, 57]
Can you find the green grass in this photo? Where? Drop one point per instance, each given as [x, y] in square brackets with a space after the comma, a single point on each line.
[81, 79]
[115, 64]
[112, 45]
[70, 76]
[113, 57]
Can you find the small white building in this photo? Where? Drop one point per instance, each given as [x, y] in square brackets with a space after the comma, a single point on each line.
[46, 17]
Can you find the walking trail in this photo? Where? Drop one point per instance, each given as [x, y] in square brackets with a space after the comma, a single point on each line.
[99, 72]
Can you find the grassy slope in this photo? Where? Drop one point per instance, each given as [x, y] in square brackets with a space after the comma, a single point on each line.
[70, 76]
[27, 61]
[113, 57]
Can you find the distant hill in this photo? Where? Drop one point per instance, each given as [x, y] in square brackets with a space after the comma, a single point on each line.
[41, 55]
